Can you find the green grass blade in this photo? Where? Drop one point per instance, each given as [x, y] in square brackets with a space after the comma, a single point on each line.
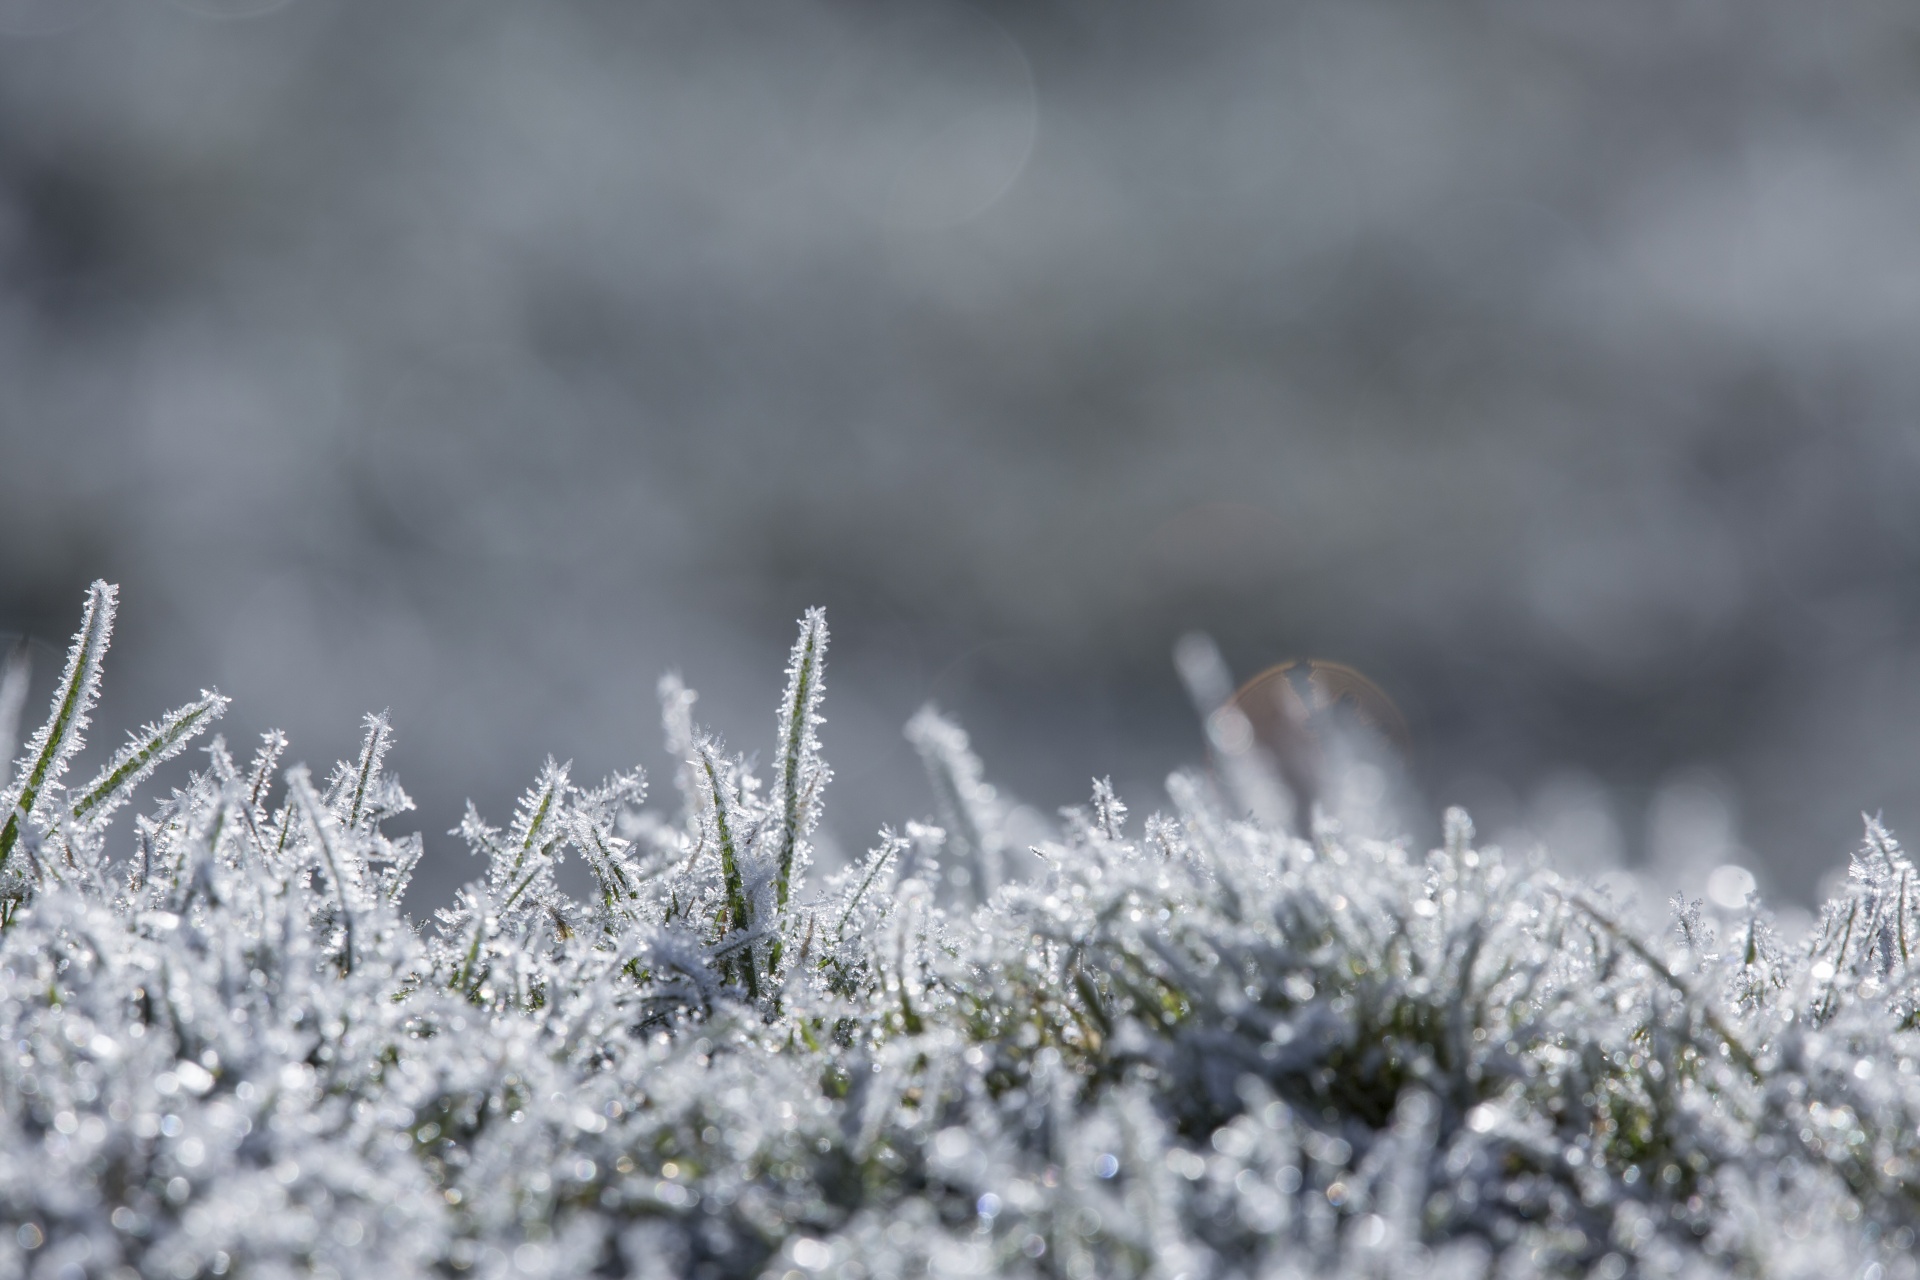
[799, 773]
[55, 744]
[150, 748]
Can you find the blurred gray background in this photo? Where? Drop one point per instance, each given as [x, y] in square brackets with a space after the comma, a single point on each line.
[1552, 362]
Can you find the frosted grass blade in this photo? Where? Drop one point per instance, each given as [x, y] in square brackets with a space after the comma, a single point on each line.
[968, 808]
[13, 696]
[800, 775]
[54, 745]
[339, 866]
[151, 747]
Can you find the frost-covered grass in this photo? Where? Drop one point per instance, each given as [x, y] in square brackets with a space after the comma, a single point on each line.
[1193, 1047]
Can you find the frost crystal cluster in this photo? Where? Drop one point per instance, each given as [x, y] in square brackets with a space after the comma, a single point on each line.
[1196, 1047]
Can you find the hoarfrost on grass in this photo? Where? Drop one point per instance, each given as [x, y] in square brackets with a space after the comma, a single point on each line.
[1197, 1046]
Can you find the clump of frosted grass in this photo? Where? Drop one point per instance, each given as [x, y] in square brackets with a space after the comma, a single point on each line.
[1195, 1046]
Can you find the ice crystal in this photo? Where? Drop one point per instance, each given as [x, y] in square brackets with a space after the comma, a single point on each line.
[1209, 1049]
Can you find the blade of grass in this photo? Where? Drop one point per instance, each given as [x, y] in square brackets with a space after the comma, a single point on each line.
[79, 688]
[150, 748]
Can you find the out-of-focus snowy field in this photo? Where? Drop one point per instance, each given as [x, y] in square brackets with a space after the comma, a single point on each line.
[1550, 362]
